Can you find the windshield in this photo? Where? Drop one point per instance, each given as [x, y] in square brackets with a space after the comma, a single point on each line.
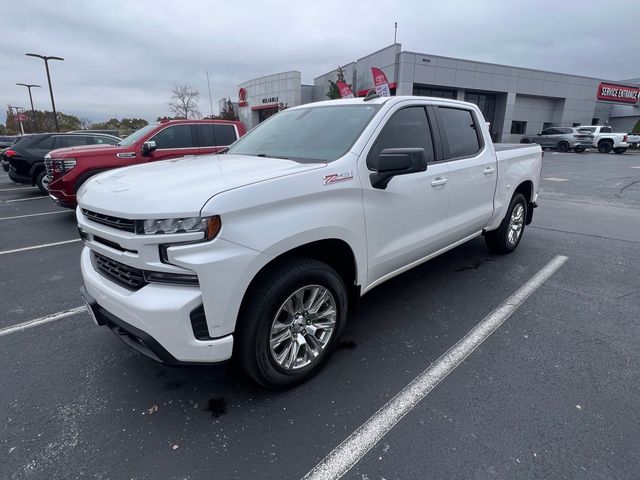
[309, 134]
[137, 135]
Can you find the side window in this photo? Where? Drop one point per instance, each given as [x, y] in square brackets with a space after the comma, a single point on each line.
[224, 135]
[71, 141]
[606, 130]
[104, 141]
[177, 136]
[566, 130]
[407, 128]
[459, 133]
[46, 143]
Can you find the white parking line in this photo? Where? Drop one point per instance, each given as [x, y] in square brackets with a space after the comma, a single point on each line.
[24, 199]
[354, 447]
[14, 189]
[35, 215]
[39, 321]
[35, 247]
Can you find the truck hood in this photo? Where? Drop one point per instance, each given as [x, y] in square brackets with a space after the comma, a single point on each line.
[74, 152]
[179, 187]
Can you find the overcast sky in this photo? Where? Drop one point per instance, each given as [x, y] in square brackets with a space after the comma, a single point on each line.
[122, 57]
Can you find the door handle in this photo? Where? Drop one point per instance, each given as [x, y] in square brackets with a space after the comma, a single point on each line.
[439, 181]
[489, 170]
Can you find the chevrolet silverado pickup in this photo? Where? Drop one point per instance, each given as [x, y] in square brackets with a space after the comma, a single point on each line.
[68, 168]
[260, 254]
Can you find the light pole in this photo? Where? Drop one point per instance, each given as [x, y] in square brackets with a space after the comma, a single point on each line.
[46, 65]
[33, 112]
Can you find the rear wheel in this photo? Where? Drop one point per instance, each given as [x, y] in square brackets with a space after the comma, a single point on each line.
[42, 182]
[564, 146]
[605, 146]
[290, 322]
[507, 237]
[579, 149]
[619, 150]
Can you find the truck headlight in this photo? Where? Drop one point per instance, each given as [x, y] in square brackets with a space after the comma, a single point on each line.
[210, 226]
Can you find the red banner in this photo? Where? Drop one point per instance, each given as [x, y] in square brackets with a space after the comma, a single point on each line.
[345, 90]
[611, 92]
[381, 83]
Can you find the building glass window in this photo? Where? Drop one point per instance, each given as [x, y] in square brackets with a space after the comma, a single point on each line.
[518, 128]
[546, 125]
[427, 91]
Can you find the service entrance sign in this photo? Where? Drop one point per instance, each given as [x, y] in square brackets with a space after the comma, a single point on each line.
[611, 92]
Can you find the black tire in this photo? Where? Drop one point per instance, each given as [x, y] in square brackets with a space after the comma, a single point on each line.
[260, 307]
[498, 240]
[564, 146]
[619, 150]
[605, 146]
[41, 182]
[579, 149]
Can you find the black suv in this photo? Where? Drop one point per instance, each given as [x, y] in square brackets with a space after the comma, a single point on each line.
[24, 160]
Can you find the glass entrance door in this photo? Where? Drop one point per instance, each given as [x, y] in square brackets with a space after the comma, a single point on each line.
[487, 104]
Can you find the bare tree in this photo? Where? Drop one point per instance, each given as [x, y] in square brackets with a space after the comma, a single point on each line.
[184, 102]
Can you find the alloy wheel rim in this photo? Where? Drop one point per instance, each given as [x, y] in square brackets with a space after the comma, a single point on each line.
[516, 223]
[302, 327]
[45, 182]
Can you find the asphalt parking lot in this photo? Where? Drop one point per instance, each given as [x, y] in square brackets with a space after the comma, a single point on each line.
[553, 393]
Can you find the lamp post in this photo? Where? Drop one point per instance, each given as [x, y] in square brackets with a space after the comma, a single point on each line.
[46, 65]
[33, 111]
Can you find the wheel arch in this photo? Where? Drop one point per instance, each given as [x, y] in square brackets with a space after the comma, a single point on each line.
[526, 189]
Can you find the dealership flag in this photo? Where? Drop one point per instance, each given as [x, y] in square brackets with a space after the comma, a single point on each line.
[345, 90]
[381, 82]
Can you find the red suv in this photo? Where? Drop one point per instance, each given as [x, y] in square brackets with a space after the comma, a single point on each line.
[69, 168]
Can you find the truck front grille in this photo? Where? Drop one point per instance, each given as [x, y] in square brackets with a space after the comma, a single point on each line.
[124, 275]
[115, 222]
[48, 167]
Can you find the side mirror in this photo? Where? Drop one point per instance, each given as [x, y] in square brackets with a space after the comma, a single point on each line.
[148, 147]
[396, 161]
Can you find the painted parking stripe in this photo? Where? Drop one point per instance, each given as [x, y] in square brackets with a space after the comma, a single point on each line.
[354, 447]
[24, 199]
[35, 247]
[35, 215]
[14, 189]
[42, 320]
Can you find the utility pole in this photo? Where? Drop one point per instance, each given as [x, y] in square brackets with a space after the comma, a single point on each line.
[33, 111]
[46, 65]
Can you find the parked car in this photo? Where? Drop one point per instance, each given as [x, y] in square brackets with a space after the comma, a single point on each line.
[70, 168]
[561, 138]
[633, 139]
[6, 141]
[26, 157]
[604, 139]
[262, 252]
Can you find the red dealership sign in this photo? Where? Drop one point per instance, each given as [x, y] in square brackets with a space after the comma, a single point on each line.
[345, 90]
[242, 96]
[381, 83]
[611, 92]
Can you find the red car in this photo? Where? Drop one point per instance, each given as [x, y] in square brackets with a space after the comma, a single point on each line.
[69, 168]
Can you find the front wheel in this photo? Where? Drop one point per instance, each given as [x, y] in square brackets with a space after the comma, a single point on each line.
[619, 150]
[508, 235]
[42, 182]
[290, 322]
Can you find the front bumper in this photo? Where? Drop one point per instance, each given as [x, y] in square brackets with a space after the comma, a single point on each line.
[154, 320]
[59, 197]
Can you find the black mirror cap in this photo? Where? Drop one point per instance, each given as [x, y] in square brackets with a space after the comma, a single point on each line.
[396, 161]
[148, 147]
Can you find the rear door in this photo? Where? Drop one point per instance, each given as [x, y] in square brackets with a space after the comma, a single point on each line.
[174, 141]
[213, 138]
[472, 170]
[407, 220]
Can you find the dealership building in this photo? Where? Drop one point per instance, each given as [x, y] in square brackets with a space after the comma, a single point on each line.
[514, 100]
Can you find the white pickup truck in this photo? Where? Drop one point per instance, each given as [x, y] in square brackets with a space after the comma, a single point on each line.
[261, 253]
[604, 139]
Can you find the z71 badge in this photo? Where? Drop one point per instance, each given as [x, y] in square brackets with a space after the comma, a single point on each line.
[337, 177]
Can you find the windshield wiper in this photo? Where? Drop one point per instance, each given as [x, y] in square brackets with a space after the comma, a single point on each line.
[266, 155]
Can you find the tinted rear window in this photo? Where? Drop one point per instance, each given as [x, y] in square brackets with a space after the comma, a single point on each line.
[458, 131]
[46, 143]
[224, 135]
[606, 130]
[72, 141]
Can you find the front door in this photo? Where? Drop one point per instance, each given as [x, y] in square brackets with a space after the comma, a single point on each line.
[407, 220]
[173, 142]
